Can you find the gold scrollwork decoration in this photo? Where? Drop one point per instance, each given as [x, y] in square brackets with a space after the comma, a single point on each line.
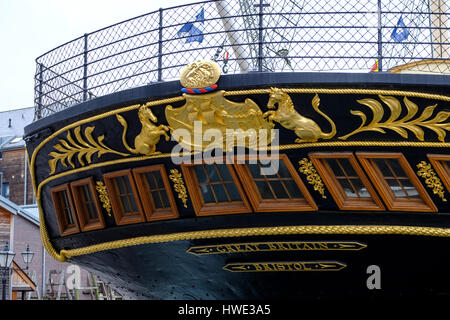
[306, 129]
[103, 196]
[178, 185]
[68, 149]
[398, 124]
[307, 168]
[431, 179]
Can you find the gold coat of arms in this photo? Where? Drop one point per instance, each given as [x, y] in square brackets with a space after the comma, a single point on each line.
[212, 121]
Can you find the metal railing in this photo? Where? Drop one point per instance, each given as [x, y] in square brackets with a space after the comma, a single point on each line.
[244, 36]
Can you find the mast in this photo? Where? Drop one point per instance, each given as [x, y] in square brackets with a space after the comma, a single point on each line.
[439, 25]
[241, 54]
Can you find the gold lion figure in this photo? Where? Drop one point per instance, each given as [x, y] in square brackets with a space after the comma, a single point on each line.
[306, 129]
[145, 142]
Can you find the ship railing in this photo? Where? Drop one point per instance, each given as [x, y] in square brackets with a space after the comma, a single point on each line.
[245, 36]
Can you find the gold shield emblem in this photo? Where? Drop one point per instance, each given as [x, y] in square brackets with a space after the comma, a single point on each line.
[231, 123]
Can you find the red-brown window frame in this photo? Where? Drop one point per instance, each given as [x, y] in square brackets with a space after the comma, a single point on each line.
[60, 217]
[334, 187]
[204, 209]
[275, 205]
[435, 160]
[425, 204]
[147, 200]
[87, 224]
[116, 204]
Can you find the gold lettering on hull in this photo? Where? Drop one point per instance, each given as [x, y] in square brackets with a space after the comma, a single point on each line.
[277, 246]
[294, 266]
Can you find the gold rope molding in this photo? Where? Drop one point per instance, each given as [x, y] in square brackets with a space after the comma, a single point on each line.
[262, 231]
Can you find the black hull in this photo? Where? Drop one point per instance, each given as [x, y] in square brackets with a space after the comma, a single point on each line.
[151, 260]
[410, 266]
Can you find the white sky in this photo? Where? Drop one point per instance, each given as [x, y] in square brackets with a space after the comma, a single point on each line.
[29, 28]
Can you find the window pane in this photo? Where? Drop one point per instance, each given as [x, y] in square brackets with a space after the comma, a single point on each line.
[395, 165]
[293, 189]
[220, 192]
[409, 188]
[165, 199]
[151, 180]
[132, 200]
[381, 163]
[233, 192]
[264, 190]
[207, 194]
[159, 179]
[224, 172]
[335, 167]
[157, 200]
[126, 204]
[5, 190]
[86, 192]
[396, 188]
[66, 207]
[283, 170]
[121, 185]
[360, 188]
[200, 173]
[212, 173]
[254, 170]
[279, 190]
[92, 212]
[348, 190]
[348, 168]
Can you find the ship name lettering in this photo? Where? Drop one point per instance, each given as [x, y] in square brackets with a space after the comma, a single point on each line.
[279, 266]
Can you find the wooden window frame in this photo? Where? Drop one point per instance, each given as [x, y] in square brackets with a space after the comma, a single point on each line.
[435, 160]
[116, 204]
[147, 199]
[202, 209]
[87, 224]
[424, 204]
[275, 205]
[344, 202]
[60, 217]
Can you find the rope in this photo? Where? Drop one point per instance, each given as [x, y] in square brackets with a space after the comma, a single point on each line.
[262, 231]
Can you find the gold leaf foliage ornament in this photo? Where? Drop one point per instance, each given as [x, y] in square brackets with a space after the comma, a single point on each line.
[307, 168]
[178, 185]
[103, 196]
[401, 125]
[431, 179]
[68, 149]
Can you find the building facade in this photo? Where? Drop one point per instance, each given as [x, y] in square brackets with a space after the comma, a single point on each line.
[19, 220]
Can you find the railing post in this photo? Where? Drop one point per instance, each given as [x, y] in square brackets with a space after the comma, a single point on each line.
[160, 38]
[41, 78]
[380, 39]
[85, 64]
[261, 38]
